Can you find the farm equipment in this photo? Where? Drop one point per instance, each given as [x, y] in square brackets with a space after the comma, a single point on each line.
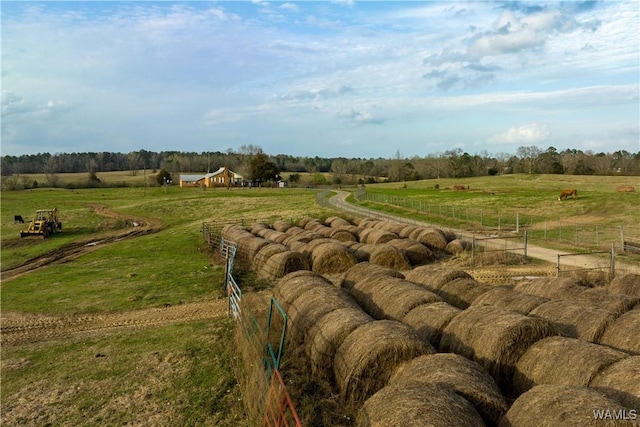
[44, 223]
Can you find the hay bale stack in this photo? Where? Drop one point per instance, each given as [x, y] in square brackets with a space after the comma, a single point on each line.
[390, 297]
[363, 271]
[575, 321]
[265, 253]
[464, 376]
[561, 360]
[506, 297]
[433, 238]
[550, 287]
[560, 405]
[429, 320]
[371, 353]
[342, 235]
[628, 284]
[374, 236]
[283, 263]
[312, 305]
[457, 246]
[462, 292]
[434, 278]
[494, 337]
[326, 336]
[295, 284]
[621, 382]
[281, 225]
[416, 252]
[332, 258]
[417, 405]
[389, 256]
[624, 333]
[362, 251]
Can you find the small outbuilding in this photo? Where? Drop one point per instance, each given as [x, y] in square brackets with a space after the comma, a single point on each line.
[223, 177]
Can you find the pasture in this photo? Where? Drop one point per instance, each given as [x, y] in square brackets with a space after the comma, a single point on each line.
[180, 373]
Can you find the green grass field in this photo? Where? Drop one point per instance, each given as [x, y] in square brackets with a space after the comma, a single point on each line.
[184, 371]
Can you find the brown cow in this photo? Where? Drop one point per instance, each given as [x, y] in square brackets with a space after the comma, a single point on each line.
[567, 193]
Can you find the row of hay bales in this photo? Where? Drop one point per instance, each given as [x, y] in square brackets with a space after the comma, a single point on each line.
[508, 345]
[335, 245]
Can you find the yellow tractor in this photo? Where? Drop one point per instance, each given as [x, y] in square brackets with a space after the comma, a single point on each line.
[44, 223]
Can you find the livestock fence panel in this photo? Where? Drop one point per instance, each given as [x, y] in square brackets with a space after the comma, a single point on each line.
[280, 411]
[608, 265]
[516, 244]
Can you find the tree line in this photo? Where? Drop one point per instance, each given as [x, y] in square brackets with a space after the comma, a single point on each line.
[251, 162]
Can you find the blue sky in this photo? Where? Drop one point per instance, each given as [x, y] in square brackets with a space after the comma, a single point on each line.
[330, 79]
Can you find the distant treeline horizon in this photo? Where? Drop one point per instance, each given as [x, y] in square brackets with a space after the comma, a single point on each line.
[449, 164]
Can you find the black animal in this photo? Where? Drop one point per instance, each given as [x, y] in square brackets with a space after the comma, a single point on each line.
[18, 219]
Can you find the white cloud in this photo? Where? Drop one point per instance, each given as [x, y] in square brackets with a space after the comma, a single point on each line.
[531, 133]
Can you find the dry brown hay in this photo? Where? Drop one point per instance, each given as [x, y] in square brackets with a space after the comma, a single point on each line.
[494, 337]
[367, 222]
[561, 360]
[304, 220]
[337, 222]
[506, 297]
[406, 231]
[417, 405]
[600, 297]
[283, 263]
[342, 235]
[429, 320]
[233, 232]
[259, 227]
[621, 382]
[386, 297]
[362, 251]
[332, 258]
[433, 277]
[295, 245]
[628, 284]
[457, 246]
[309, 247]
[274, 236]
[550, 287]
[281, 225]
[265, 253]
[464, 376]
[370, 354]
[462, 292]
[416, 252]
[391, 226]
[294, 230]
[314, 225]
[624, 333]
[295, 284]
[433, 238]
[374, 236]
[552, 405]
[248, 247]
[389, 256]
[575, 321]
[365, 271]
[325, 336]
[311, 305]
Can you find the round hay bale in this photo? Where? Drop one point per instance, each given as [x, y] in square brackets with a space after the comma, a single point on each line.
[365, 271]
[332, 258]
[296, 246]
[325, 336]
[281, 225]
[389, 256]
[494, 337]
[324, 231]
[433, 238]
[561, 360]
[248, 247]
[258, 227]
[549, 287]
[628, 284]
[462, 292]
[449, 235]
[311, 305]
[390, 297]
[406, 231]
[506, 297]
[294, 230]
[295, 284]
[283, 263]
[457, 246]
[434, 278]
[560, 405]
[575, 321]
[624, 333]
[621, 382]
[391, 226]
[416, 252]
[309, 247]
[313, 225]
[337, 222]
[367, 222]
[371, 353]
[466, 377]
[304, 220]
[342, 235]
[599, 297]
[429, 320]
[265, 253]
[374, 236]
[275, 236]
[362, 251]
[417, 405]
